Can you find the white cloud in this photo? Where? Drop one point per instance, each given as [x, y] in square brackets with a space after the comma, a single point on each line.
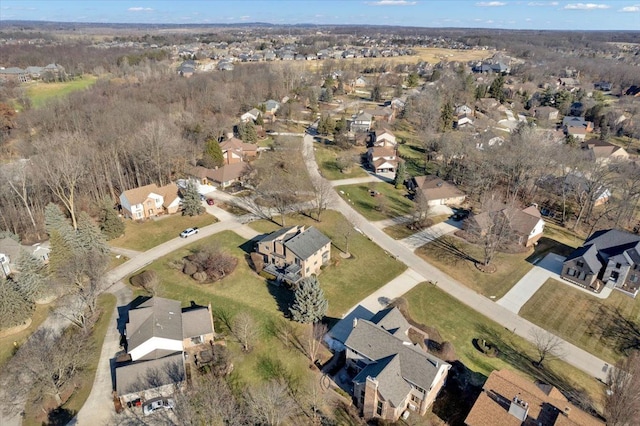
[542, 3]
[392, 3]
[631, 9]
[140, 9]
[490, 3]
[586, 6]
[244, 17]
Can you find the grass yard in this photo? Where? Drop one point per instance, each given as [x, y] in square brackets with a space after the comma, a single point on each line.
[142, 236]
[401, 230]
[460, 324]
[347, 281]
[40, 92]
[605, 328]
[326, 158]
[7, 342]
[84, 380]
[562, 235]
[388, 204]
[457, 258]
[242, 291]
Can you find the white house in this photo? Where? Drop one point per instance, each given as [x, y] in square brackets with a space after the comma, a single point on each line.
[150, 200]
[251, 115]
[385, 138]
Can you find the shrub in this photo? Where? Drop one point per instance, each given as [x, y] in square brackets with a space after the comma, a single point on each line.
[211, 262]
[189, 268]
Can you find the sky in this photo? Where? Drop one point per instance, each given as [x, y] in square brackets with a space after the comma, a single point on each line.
[534, 14]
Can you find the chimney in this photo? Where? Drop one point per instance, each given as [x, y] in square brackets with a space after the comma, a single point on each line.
[519, 408]
[355, 322]
[566, 411]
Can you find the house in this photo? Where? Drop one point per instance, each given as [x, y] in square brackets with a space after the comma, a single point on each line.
[187, 68]
[605, 152]
[160, 339]
[271, 106]
[608, 258]
[11, 249]
[508, 399]
[545, 113]
[236, 151]
[568, 82]
[251, 115]
[361, 122]
[222, 177]
[577, 127]
[14, 74]
[526, 225]
[392, 377]
[463, 109]
[150, 200]
[34, 72]
[385, 139]
[436, 191]
[463, 121]
[386, 114]
[293, 253]
[360, 82]
[383, 159]
[225, 65]
[604, 86]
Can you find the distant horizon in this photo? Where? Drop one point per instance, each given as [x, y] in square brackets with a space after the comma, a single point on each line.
[607, 15]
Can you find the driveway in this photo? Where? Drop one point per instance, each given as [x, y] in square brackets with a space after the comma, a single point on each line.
[549, 267]
[431, 233]
[393, 289]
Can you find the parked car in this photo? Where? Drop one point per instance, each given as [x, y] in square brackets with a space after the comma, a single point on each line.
[157, 404]
[460, 215]
[188, 232]
[210, 201]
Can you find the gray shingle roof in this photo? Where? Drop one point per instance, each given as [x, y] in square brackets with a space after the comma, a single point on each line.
[392, 320]
[276, 234]
[140, 376]
[391, 385]
[375, 343]
[196, 322]
[156, 317]
[606, 239]
[307, 243]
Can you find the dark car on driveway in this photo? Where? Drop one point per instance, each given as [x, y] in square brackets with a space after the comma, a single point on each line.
[460, 215]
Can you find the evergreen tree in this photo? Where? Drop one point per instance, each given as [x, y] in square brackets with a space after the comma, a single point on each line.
[54, 219]
[212, 154]
[340, 89]
[481, 91]
[309, 303]
[413, 79]
[446, 117]
[248, 132]
[341, 125]
[110, 223]
[31, 280]
[14, 309]
[376, 93]
[326, 95]
[401, 173]
[496, 89]
[88, 237]
[61, 252]
[325, 125]
[191, 203]
[260, 120]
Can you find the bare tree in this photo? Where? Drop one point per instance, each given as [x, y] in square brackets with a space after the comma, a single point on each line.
[547, 345]
[18, 177]
[271, 404]
[245, 329]
[322, 193]
[315, 334]
[622, 399]
[420, 210]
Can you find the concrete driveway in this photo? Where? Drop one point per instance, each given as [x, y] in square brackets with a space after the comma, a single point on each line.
[549, 267]
[431, 233]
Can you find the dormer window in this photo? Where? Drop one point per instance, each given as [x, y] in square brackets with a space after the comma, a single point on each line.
[618, 265]
[580, 264]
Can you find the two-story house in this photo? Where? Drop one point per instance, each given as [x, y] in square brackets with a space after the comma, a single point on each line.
[361, 122]
[235, 151]
[293, 253]
[383, 159]
[160, 338]
[385, 138]
[607, 258]
[393, 376]
[526, 225]
[150, 200]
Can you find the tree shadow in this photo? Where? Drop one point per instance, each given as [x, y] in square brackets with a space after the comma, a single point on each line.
[448, 246]
[282, 296]
[60, 416]
[619, 331]
[547, 245]
[458, 394]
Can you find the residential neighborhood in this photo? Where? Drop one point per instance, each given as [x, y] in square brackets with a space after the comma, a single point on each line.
[328, 225]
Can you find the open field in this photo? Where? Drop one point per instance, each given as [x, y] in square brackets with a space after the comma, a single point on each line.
[142, 236]
[389, 203]
[326, 158]
[606, 328]
[40, 92]
[347, 281]
[84, 380]
[241, 291]
[7, 342]
[457, 258]
[459, 324]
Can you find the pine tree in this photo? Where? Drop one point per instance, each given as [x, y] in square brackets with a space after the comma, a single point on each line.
[212, 154]
[191, 203]
[61, 252]
[401, 172]
[248, 132]
[376, 93]
[309, 303]
[446, 117]
[110, 223]
[14, 309]
[260, 120]
[31, 280]
[54, 219]
[496, 89]
[88, 237]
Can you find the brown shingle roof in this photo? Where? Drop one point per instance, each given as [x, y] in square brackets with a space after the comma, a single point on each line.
[435, 188]
[138, 195]
[169, 192]
[382, 151]
[226, 173]
[545, 408]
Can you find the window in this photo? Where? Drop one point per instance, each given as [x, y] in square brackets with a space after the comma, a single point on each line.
[571, 272]
[379, 409]
[634, 278]
[618, 265]
[580, 264]
[197, 340]
[415, 398]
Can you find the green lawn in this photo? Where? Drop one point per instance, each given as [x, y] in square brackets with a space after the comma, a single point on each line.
[7, 342]
[562, 235]
[326, 156]
[242, 291]
[142, 236]
[389, 203]
[605, 328]
[457, 258]
[460, 324]
[347, 281]
[401, 231]
[40, 92]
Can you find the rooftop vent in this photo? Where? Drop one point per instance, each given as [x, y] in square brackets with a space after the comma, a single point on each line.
[519, 408]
